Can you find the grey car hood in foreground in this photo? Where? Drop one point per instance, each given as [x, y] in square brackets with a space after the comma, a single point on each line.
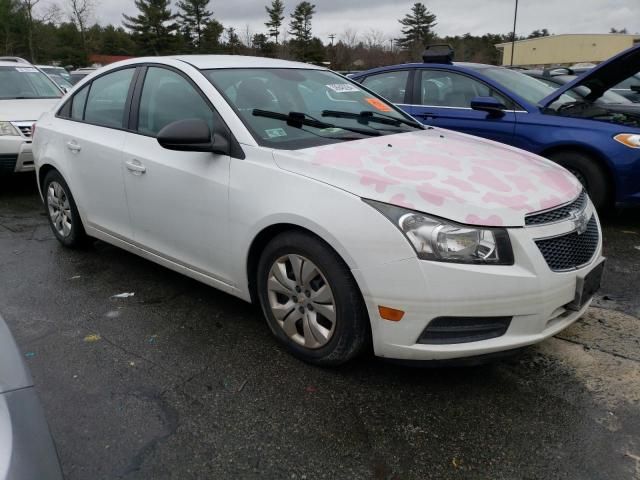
[26, 449]
[602, 77]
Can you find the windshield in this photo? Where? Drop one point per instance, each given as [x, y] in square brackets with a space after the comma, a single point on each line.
[26, 82]
[62, 82]
[300, 108]
[531, 89]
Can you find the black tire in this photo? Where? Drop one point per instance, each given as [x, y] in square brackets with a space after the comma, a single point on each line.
[591, 175]
[76, 237]
[351, 328]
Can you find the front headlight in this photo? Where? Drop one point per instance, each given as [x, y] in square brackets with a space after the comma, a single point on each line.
[8, 130]
[441, 240]
[631, 140]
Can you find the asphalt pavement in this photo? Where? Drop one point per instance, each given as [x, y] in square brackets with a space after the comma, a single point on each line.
[180, 381]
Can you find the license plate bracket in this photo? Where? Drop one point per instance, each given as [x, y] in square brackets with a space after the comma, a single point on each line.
[587, 286]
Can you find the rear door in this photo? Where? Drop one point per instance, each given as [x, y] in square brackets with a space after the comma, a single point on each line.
[178, 200]
[91, 138]
[442, 98]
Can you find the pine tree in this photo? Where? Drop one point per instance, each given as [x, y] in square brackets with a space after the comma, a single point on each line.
[417, 28]
[153, 27]
[276, 17]
[300, 29]
[194, 17]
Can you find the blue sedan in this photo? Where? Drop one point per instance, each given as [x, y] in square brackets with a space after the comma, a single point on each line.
[599, 143]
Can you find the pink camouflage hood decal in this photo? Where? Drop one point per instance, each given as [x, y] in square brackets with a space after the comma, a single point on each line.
[448, 174]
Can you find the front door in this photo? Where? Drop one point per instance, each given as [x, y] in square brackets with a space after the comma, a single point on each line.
[178, 201]
[444, 100]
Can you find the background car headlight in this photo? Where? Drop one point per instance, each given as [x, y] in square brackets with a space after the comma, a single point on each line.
[6, 129]
[441, 240]
[629, 139]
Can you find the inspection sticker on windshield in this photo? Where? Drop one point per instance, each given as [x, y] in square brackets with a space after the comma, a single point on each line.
[378, 104]
[275, 132]
[343, 88]
[26, 69]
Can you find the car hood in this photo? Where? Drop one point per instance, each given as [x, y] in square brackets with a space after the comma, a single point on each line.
[13, 373]
[448, 174]
[25, 110]
[602, 77]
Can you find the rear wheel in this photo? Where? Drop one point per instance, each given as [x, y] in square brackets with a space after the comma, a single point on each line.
[63, 215]
[310, 300]
[587, 170]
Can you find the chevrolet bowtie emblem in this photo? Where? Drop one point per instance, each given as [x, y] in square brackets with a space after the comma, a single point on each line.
[580, 221]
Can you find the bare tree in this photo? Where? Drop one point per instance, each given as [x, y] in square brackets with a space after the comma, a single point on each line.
[28, 8]
[81, 11]
[248, 36]
[349, 37]
[374, 38]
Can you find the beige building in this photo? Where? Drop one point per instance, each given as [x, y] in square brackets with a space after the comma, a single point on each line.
[566, 49]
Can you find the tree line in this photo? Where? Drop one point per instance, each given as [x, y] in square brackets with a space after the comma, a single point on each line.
[65, 33]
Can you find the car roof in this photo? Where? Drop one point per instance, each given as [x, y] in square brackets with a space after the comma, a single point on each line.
[233, 61]
[14, 64]
[456, 65]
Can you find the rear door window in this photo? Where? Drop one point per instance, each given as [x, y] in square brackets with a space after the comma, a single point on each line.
[107, 99]
[390, 85]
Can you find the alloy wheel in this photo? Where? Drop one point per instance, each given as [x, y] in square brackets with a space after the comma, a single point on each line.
[301, 301]
[59, 209]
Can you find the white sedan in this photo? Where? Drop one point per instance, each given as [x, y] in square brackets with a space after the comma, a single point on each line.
[350, 223]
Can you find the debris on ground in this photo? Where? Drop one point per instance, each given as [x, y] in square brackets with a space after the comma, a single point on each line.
[124, 295]
[92, 338]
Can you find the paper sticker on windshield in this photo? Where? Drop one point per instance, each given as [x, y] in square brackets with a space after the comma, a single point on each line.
[26, 69]
[379, 105]
[343, 88]
[275, 133]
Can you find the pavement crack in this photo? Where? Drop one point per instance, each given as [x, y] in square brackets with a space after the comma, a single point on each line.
[589, 347]
[138, 356]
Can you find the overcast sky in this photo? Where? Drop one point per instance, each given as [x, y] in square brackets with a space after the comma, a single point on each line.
[454, 16]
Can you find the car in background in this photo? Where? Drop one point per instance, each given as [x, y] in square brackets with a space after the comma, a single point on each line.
[294, 187]
[598, 144]
[628, 88]
[58, 75]
[80, 73]
[25, 94]
[557, 77]
[27, 450]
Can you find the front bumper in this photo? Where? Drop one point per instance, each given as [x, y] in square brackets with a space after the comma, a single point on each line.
[536, 298]
[16, 155]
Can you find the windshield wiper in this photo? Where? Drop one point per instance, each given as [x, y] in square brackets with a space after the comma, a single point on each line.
[299, 119]
[367, 116]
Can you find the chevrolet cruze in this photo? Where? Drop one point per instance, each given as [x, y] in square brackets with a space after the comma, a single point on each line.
[348, 222]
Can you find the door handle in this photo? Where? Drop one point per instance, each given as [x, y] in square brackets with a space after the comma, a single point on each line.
[73, 146]
[427, 115]
[135, 167]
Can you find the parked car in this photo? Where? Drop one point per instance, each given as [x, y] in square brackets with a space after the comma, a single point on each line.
[27, 450]
[80, 73]
[25, 94]
[345, 219]
[597, 143]
[628, 88]
[557, 77]
[58, 75]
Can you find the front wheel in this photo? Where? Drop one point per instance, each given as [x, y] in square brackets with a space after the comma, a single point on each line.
[589, 173]
[310, 300]
[62, 212]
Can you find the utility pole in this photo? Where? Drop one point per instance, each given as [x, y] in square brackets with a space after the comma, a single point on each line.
[391, 40]
[332, 36]
[513, 35]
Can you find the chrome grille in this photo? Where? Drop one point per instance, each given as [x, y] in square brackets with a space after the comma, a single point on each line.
[557, 214]
[571, 251]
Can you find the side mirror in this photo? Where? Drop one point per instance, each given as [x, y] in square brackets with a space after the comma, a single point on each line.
[193, 135]
[494, 107]
[635, 88]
